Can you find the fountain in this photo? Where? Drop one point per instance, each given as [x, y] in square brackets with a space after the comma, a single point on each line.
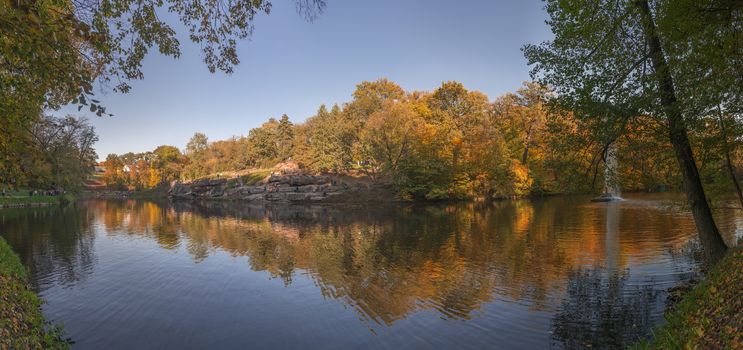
[611, 184]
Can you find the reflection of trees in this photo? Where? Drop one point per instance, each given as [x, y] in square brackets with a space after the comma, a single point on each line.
[390, 261]
[55, 243]
[602, 311]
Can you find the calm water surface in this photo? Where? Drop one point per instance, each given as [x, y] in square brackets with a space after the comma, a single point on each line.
[551, 273]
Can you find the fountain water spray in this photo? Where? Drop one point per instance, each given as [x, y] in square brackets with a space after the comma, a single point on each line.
[612, 192]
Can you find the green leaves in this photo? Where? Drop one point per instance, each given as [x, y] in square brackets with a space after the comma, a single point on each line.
[63, 153]
[22, 324]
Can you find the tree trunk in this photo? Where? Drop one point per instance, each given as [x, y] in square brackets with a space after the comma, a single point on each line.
[728, 161]
[712, 242]
[525, 155]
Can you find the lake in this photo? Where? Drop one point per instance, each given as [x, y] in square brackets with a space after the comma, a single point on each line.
[558, 272]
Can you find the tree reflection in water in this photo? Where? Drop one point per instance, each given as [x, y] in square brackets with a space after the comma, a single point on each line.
[559, 256]
[55, 243]
[602, 310]
[388, 262]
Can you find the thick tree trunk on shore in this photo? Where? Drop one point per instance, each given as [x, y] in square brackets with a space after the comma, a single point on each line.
[712, 242]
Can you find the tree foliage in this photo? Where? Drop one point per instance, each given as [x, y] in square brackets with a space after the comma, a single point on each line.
[672, 61]
[144, 170]
[456, 143]
[52, 52]
[60, 153]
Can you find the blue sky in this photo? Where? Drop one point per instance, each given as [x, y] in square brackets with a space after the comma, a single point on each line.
[292, 66]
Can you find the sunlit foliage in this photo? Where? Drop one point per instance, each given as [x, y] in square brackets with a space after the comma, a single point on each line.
[454, 143]
[53, 52]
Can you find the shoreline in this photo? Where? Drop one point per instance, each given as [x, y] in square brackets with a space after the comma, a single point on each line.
[709, 315]
[35, 201]
[22, 324]
[26, 205]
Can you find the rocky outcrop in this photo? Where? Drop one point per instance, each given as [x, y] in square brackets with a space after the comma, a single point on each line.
[275, 188]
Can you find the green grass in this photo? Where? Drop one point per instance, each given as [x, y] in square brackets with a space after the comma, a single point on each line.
[254, 177]
[22, 200]
[710, 316]
[22, 325]
[28, 200]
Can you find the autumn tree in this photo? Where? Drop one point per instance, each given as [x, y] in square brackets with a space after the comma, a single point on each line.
[669, 60]
[196, 152]
[63, 154]
[458, 151]
[386, 138]
[113, 175]
[227, 155]
[370, 97]
[54, 51]
[169, 163]
[263, 144]
[143, 170]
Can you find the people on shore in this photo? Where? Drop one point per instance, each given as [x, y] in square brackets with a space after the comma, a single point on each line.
[32, 193]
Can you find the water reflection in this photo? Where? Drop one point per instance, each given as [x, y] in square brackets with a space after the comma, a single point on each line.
[55, 243]
[592, 272]
[602, 309]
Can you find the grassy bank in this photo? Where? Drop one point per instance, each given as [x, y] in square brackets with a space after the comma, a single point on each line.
[710, 316]
[22, 325]
[21, 201]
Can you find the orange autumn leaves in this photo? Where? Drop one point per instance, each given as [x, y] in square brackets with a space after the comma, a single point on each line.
[449, 143]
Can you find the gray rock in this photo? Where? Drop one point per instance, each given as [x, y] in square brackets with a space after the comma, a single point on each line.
[275, 196]
[254, 197]
[217, 182]
[232, 192]
[199, 183]
[278, 179]
[295, 197]
[254, 189]
[307, 188]
[216, 191]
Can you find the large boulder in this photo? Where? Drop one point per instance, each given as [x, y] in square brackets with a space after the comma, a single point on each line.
[180, 190]
[216, 191]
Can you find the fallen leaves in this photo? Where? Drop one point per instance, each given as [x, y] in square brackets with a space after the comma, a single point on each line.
[22, 325]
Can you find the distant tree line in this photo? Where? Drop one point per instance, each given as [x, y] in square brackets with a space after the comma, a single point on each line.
[448, 143]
